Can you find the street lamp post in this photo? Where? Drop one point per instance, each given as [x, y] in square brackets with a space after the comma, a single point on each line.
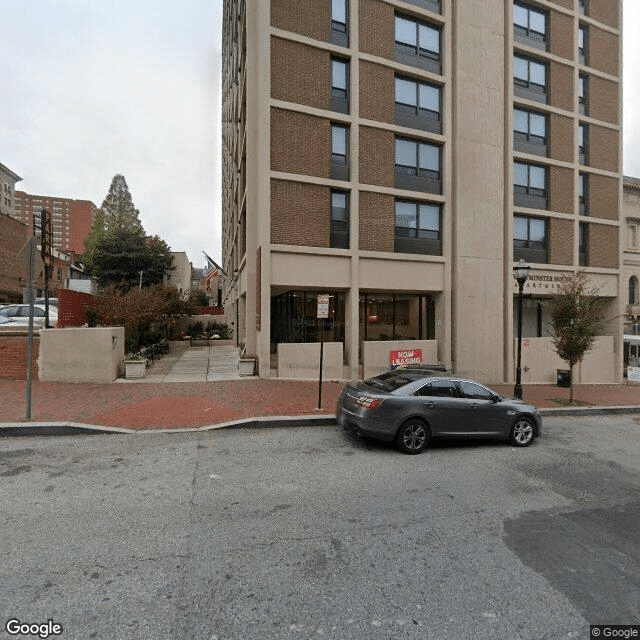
[521, 273]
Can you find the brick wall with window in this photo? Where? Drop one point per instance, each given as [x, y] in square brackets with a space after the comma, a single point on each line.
[376, 92]
[603, 148]
[603, 197]
[603, 50]
[377, 157]
[376, 222]
[560, 241]
[561, 190]
[604, 11]
[603, 99]
[561, 83]
[14, 235]
[300, 143]
[561, 35]
[300, 73]
[314, 21]
[603, 246]
[300, 214]
[561, 138]
[376, 28]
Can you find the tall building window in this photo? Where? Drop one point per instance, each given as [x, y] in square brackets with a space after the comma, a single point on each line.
[529, 79]
[340, 22]
[529, 185]
[583, 133]
[530, 132]
[339, 220]
[583, 36]
[418, 104]
[633, 290]
[632, 234]
[340, 85]
[583, 194]
[583, 245]
[530, 240]
[430, 5]
[418, 228]
[418, 166]
[583, 85]
[417, 43]
[339, 152]
[530, 25]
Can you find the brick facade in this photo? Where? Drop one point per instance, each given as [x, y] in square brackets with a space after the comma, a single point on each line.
[602, 48]
[14, 235]
[561, 35]
[603, 246]
[377, 157]
[560, 241]
[603, 148]
[561, 87]
[603, 197]
[567, 4]
[300, 214]
[377, 28]
[377, 92]
[13, 355]
[300, 73]
[376, 222]
[561, 190]
[605, 11]
[561, 138]
[300, 143]
[602, 99]
[313, 22]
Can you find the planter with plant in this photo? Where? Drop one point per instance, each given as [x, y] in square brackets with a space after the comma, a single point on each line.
[247, 364]
[135, 367]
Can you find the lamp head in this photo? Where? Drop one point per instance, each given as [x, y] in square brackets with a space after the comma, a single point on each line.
[521, 271]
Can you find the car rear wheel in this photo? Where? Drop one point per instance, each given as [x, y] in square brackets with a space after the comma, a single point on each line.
[521, 433]
[412, 436]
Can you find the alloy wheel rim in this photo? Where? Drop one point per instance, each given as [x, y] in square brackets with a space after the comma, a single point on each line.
[523, 432]
[414, 437]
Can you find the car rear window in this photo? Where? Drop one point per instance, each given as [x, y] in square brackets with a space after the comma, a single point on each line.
[390, 380]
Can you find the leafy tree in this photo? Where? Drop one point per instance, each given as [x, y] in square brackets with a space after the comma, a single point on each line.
[576, 321]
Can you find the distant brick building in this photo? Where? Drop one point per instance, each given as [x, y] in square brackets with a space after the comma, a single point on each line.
[14, 236]
[8, 181]
[71, 219]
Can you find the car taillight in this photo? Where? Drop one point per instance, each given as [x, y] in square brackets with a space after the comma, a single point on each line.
[368, 403]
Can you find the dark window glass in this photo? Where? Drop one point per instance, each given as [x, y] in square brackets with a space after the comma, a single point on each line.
[530, 22]
[529, 179]
[340, 85]
[583, 7]
[418, 227]
[530, 127]
[474, 391]
[530, 239]
[444, 389]
[339, 220]
[583, 244]
[339, 144]
[415, 158]
[583, 193]
[582, 93]
[530, 79]
[339, 15]
[633, 290]
[414, 37]
[417, 104]
[583, 132]
[583, 34]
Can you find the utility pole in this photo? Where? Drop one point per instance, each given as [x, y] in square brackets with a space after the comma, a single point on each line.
[42, 227]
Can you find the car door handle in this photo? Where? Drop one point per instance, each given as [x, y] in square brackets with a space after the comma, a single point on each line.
[430, 405]
[474, 405]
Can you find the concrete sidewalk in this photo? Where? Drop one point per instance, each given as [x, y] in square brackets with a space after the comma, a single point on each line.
[199, 388]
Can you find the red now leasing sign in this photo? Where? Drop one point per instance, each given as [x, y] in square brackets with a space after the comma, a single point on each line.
[408, 356]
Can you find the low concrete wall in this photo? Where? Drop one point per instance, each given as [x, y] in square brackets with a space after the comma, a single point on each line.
[301, 360]
[376, 358]
[81, 354]
[540, 362]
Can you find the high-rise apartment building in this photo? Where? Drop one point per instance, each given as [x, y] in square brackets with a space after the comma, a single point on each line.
[403, 156]
[71, 219]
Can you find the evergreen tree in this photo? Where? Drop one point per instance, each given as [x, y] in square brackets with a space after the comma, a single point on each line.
[119, 211]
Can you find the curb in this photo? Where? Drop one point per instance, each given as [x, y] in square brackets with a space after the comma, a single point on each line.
[23, 429]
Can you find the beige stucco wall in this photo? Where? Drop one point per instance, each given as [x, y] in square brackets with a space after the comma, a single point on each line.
[81, 354]
[376, 359]
[301, 361]
[540, 363]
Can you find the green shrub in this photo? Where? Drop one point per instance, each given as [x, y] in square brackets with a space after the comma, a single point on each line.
[220, 328]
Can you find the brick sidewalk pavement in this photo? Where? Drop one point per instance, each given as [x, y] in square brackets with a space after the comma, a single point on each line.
[184, 405]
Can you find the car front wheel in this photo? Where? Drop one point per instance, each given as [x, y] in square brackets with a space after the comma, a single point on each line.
[412, 436]
[521, 433]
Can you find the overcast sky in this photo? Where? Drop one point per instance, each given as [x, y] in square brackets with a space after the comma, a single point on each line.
[90, 89]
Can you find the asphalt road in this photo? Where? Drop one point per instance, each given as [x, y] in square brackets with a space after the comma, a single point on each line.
[313, 533]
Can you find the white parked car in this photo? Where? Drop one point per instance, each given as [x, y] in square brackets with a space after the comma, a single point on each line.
[20, 313]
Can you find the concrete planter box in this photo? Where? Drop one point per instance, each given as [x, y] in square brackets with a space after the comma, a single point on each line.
[135, 369]
[247, 367]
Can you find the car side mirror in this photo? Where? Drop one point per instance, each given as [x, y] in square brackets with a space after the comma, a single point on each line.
[497, 398]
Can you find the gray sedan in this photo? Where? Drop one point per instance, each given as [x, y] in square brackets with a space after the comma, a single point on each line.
[411, 411]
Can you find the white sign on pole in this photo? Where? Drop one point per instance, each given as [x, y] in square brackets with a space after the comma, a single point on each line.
[323, 306]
